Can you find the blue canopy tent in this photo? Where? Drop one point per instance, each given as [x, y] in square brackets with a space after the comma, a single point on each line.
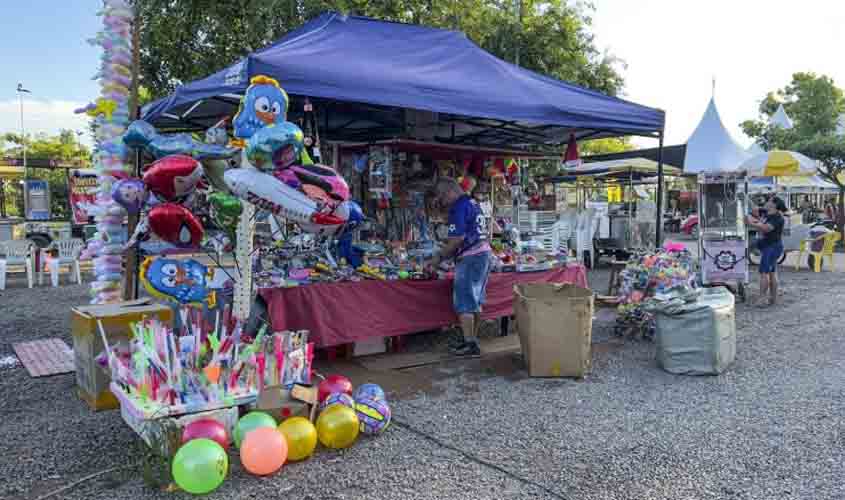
[364, 76]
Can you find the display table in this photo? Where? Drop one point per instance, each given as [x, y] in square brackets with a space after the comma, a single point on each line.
[342, 313]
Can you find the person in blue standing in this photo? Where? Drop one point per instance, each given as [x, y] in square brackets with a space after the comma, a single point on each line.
[770, 245]
[467, 244]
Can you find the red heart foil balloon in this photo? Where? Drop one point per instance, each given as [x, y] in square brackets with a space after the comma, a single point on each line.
[173, 177]
[175, 224]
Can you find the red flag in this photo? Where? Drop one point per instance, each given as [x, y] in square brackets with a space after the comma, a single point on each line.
[572, 159]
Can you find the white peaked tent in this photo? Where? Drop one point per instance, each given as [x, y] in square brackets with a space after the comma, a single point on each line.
[710, 148]
[781, 119]
[754, 149]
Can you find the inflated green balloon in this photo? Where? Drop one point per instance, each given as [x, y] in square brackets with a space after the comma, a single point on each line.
[225, 209]
[200, 466]
[251, 421]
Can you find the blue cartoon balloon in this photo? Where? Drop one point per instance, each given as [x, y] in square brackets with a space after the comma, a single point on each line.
[141, 134]
[265, 103]
[184, 281]
[275, 146]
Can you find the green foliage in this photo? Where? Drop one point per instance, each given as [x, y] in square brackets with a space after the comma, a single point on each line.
[813, 102]
[183, 40]
[63, 147]
[830, 151]
[605, 146]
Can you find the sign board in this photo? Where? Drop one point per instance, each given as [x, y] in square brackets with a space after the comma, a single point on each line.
[724, 260]
[37, 200]
[82, 185]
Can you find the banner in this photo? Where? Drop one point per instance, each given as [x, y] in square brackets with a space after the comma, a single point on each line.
[82, 186]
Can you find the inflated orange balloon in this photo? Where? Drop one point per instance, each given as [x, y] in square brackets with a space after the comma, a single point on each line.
[264, 451]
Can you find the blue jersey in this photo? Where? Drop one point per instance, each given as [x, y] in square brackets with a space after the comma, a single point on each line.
[466, 220]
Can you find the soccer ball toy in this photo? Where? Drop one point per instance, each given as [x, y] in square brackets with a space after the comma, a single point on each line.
[374, 415]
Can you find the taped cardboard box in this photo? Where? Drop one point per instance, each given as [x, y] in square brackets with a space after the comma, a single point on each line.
[555, 323]
[92, 381]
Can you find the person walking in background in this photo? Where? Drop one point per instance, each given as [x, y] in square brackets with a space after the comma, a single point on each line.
[467, 244]
[770, 245]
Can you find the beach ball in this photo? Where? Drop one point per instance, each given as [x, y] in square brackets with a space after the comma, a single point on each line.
[373, 414]
[333, 383]
[207, 428]
[301, 436]
[369, 391]
[264, 451]
[337, 426]
[200, 466]
[251, 421]
[337, 398]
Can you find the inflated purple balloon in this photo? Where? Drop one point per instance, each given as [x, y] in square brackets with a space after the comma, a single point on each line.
[130, 194]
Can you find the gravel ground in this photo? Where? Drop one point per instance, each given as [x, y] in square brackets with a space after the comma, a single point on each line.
[768, 428]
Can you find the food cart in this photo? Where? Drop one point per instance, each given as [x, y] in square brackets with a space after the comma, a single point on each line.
[722, 236]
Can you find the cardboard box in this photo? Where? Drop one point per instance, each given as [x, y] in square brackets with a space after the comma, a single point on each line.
[555, 325]
[92, 381]
[278, 402]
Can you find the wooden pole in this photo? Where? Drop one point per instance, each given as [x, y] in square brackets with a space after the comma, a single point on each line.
[130, 283]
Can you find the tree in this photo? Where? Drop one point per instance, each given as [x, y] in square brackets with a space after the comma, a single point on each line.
[63, 147]
[830, 152]
[183, 40]
[813, 102]
[605, 146]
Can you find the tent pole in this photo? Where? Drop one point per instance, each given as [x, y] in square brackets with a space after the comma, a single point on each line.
[659, 228]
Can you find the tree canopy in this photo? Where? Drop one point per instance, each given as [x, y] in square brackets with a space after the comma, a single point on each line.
[183, 40]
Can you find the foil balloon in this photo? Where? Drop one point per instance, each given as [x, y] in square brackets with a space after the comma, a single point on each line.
[268, 193]
[264, 103]
[275, 146]
[140, 134]
[130, 194]
[174, 177]
[214, 171]
[225, 210]
[176, 225]
[182, 281]
[321, 176]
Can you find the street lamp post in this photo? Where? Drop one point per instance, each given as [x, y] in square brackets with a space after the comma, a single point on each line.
[21, 91]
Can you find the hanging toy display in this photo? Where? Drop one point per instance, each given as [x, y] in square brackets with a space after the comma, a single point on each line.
[110, 115]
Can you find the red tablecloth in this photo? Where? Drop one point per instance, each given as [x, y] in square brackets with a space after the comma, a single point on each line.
[341, 313]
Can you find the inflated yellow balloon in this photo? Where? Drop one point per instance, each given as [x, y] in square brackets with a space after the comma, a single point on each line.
[301, 436]
[337, 426]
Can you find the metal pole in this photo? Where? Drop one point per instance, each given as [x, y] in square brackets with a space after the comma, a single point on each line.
[23, 133]
[659, 228]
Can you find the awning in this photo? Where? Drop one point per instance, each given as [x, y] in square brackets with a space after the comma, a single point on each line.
[363, 72]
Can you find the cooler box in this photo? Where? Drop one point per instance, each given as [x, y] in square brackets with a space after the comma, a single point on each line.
[698, 338]
[555, 324]
[92, 381]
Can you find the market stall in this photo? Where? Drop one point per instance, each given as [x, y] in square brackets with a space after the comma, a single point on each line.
[619, 197]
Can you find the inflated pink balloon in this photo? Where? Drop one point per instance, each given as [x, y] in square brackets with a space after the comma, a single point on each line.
[206, 428]
[264, 451]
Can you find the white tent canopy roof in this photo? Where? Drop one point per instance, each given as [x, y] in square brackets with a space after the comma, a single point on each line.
[710, 148]
[781, 119]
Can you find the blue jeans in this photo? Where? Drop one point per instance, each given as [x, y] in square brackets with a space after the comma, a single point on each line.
[769, 256]
[470, 285]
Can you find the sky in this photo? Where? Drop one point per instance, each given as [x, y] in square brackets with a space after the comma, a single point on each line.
[673, 50]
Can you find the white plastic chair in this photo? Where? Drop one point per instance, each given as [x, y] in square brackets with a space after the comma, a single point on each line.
[68, 250]
[16, 252]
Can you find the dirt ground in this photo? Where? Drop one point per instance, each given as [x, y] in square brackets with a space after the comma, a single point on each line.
[769, 427]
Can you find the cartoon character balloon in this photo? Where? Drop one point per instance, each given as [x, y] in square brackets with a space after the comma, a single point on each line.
[265, 103]
[130, 194]
[275, 146]
[183, 281]
[175, 224]
[173, 177]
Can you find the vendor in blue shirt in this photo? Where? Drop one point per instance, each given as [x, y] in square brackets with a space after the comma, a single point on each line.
[467, 244]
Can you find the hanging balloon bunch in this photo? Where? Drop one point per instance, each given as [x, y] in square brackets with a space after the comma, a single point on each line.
[281, 178]
[110, 113]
